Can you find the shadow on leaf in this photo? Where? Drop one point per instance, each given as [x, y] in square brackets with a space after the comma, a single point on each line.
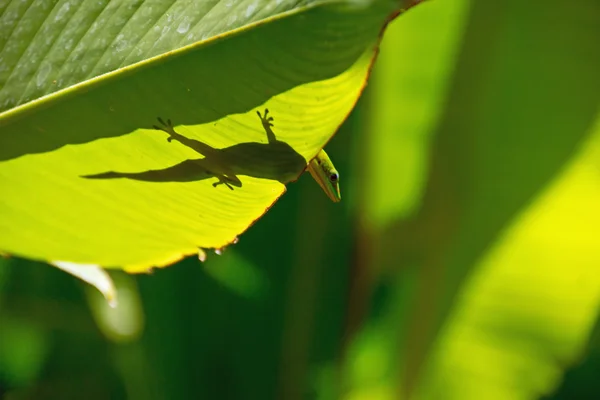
[275, 160]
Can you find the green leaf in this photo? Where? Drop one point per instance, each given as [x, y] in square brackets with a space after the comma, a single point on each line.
[51, 45]
[485, 245]
[95, 276]
[87, 178]
[532, 303]
[413, 74]
[23, 349]
[122, 323]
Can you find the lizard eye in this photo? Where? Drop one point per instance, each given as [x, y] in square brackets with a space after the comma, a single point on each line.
[334, 177]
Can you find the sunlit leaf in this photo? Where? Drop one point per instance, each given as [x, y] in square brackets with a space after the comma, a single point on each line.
[533, 302]
[484, 241]
[90, 174]
[410, 83]
[94, 275]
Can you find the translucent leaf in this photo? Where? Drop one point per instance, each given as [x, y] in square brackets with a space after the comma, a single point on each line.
[94, 275]
[145, 164]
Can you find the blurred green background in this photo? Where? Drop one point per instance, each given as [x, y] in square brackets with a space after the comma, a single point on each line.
[463, 261]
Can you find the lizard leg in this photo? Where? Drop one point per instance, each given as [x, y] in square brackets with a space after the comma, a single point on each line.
[227, 181]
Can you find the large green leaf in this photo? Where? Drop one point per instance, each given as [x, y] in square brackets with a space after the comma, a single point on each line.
[50, 45]
[154, 200]
[532, 303]
[506, 240]
[485, 248]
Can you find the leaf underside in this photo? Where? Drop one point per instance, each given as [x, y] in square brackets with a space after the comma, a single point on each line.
[95, 174]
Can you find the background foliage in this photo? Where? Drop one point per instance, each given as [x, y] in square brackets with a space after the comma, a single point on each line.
[461, 263]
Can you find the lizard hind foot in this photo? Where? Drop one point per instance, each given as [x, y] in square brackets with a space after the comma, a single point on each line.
[221, 182]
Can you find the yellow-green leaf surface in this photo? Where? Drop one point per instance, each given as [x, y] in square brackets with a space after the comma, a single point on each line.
[532, 303]
[88, 178]
[485, 245]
